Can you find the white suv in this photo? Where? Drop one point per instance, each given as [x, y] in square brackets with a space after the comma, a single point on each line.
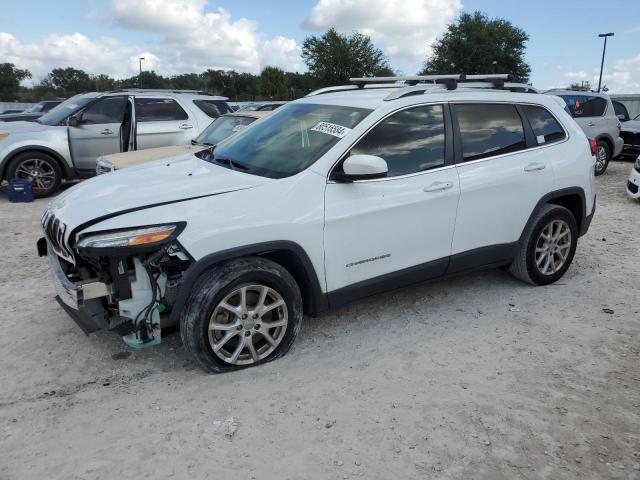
[345, 193]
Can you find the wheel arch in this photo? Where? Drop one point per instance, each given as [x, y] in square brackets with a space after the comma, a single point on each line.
[287, 254]
[572, 198]
[608, 140]
[67, 171]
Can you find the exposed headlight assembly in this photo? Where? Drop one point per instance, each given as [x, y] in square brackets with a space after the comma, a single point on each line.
[104, 166]
[135, 238]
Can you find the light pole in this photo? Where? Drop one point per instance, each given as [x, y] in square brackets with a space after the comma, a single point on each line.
[604, 49]
[140, 76]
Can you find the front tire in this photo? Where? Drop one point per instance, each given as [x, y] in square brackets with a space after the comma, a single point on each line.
[547, 247]
[40, 169]
[241, 313]
[603, 156]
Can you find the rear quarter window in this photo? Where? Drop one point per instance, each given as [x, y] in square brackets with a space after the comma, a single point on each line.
[213, 108]
[544, 125]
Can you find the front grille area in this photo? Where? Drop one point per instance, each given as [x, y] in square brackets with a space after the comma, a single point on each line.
[633, 188]
[55, 232]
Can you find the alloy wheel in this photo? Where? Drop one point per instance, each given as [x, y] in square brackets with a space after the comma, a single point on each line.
[39, 172]
[552, 247]
[601, 158]
[248, 324]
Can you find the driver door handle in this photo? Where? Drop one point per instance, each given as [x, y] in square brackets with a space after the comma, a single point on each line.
[185, 126]
[106, 131]
[438, 186]
[532, 167]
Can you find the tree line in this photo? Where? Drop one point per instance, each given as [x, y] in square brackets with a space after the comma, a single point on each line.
[474, 43]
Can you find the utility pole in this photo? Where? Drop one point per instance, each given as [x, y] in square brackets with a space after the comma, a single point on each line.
[604, 49]
[140, 76]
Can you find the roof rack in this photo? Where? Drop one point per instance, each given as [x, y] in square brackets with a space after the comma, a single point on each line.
[420, 89]
[160, 90]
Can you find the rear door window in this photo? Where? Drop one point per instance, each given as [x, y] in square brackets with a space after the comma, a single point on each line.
[545, 127]
[159, 110]
[585, 105]
[489, 129]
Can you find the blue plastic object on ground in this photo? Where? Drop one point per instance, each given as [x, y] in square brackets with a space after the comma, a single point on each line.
[20, 191]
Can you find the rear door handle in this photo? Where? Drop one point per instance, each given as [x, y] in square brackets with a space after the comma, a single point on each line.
[185, 126]
[437, 186]
[106, 131]
[591, 124]
[532, 167]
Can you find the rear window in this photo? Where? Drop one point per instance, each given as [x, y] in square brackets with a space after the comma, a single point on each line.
[489, 129]
[545, 127]
[585, 106]
[213, 108]
[159, 110]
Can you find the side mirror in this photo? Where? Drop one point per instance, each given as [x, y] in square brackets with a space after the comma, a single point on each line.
[73, 121]
[622, 117]
[364, 167]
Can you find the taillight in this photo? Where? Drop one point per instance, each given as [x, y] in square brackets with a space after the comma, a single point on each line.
[594, 146]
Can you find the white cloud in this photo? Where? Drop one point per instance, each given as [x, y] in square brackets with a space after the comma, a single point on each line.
[191, 40]
[404, 28]
[195, 40]
[76, 50]
[623, 78]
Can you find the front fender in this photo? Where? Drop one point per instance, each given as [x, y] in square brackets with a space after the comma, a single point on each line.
[58, 150]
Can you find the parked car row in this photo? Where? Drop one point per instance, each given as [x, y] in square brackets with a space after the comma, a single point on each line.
[301, 211]
[30, 114]
[65, 142]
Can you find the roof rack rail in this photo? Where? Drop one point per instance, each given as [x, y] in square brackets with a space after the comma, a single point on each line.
[445, 79]
[160, 90]
[424, 88]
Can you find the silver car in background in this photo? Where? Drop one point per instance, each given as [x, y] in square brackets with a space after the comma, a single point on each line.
[595, 114]
[65, 142]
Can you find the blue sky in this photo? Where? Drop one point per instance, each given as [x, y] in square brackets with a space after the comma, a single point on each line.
[190, 35]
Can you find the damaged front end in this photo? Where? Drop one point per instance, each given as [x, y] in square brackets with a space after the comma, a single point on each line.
[124, 280]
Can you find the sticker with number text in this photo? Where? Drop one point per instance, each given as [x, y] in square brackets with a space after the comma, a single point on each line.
[331, 129]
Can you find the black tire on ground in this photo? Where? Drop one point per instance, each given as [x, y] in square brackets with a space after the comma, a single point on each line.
[218, 282]
[48, 172]
[602, 164]
[524, 264]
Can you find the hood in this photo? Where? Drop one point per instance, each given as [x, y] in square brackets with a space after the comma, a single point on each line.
[162, 182]
[129, 159]
[631, 126]
[22, 126]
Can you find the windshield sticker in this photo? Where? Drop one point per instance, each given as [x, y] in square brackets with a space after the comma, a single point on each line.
[237, 128]
[331, 129]
[540, 139]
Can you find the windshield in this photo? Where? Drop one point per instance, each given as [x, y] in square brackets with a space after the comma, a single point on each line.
[59, 113]
[289, 140]
[38, 107]
[223, 127]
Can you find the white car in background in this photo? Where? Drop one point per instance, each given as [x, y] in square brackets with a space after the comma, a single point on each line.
[221, 128]
[633, 183]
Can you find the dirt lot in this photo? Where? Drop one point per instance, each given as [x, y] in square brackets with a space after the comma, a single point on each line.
[444, 380]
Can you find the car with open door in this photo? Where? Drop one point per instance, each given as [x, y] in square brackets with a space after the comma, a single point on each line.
[348, 192]
[222, 127]
[64, 143]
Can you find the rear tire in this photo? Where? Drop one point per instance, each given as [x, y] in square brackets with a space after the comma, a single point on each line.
[547, 247]
[603, 156]
[241, 313]
[41, 169]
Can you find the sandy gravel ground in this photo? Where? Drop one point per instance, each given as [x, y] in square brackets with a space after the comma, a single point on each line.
[443, 380]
